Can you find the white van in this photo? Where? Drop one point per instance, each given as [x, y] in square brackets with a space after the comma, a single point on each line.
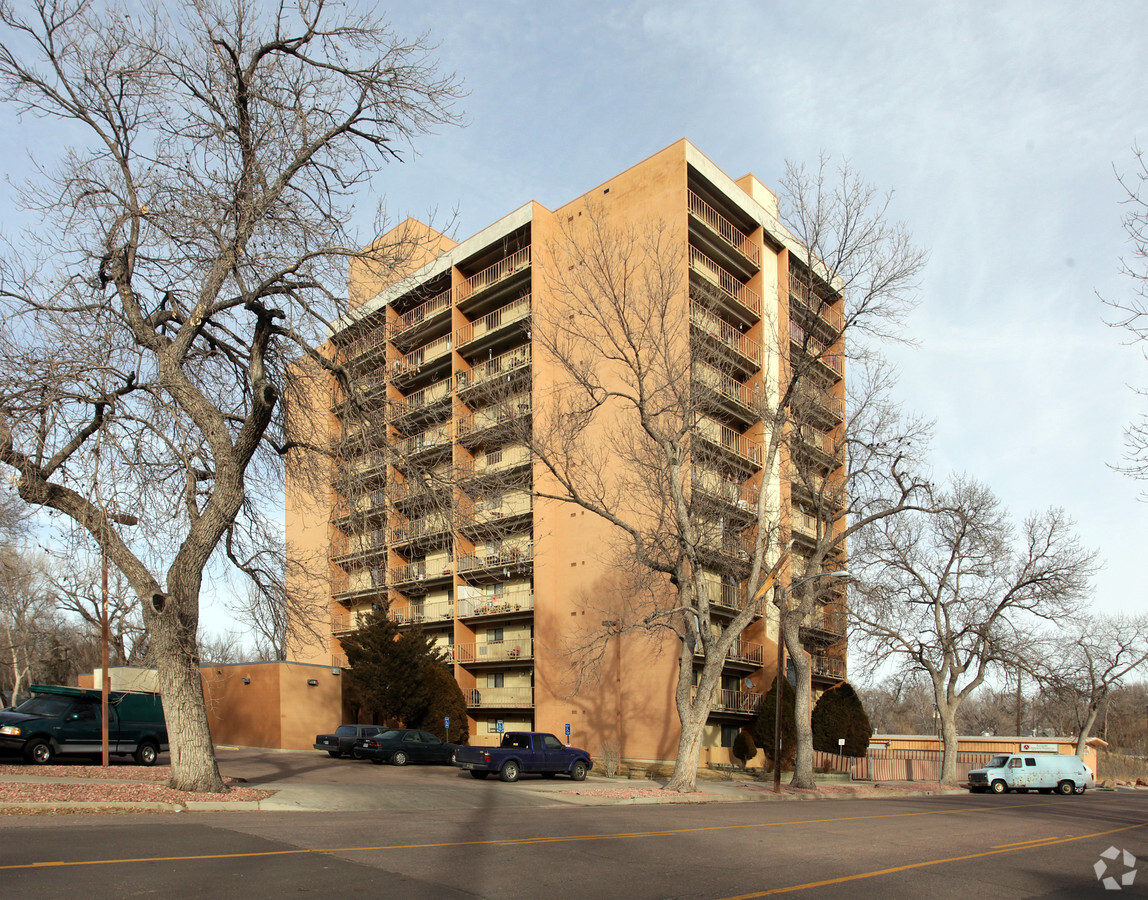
[1045, 773]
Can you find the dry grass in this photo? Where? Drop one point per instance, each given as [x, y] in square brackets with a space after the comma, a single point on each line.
[1120, 767]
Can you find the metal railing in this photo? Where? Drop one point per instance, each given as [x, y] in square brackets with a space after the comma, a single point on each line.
[514, 311]
[427, 353]
[420, 314]
[492, 275]
[725, 386]
[733, 441]
[489, 369]
[421, 399]
[830, 313]
[500, 604]
[728, 283]
[494, 651]
[725, 333]
[419, 613]
[732, 235]
[494, 697]
[816, 349]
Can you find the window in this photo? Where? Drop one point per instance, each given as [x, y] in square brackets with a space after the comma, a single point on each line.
[1029, 761]
[551, 742]
[729, 734]
[495, 635]
[495, 679]
[1015, 763]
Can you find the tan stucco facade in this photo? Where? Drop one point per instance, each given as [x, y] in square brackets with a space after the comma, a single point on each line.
[502, 602]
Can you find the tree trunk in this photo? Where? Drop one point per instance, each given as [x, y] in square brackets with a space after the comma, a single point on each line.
[193, 765]
[948, 717]
[1086, 730]
[802, 705]
[685, 777]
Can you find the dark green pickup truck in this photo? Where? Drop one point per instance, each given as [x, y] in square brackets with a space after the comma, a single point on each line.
[66, 721]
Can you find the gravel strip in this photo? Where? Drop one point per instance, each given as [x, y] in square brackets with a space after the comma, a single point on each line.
[51, 792]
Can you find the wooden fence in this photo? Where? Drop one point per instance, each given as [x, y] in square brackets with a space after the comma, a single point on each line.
[882, 764]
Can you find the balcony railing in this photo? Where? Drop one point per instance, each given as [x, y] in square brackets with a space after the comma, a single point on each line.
[734, 701]
[733, 441]
[829, 622]
[439, 436]
[492, 275]
[513, 312]
[814, 348]
[808, 302]
[491, 369]
[507, 556]
[728, 596]
[510, 410]
[420, 400]
[503, 697]
[725, 333]
[419, 613]
[732, 235]
[494, 651]
[828, 667]
[420, 314]
[743, 652]
[417, 529]
[725, 386]
[363, 348]
[350, 550]
[345, 623]
[498, 604]
[728, 283]
[428, 353]
[742, 494]
[494, 461]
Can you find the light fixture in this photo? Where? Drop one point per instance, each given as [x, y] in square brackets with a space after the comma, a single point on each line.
[246, 680]
[312, 682]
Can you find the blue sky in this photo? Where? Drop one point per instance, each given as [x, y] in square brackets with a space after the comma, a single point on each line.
[998, 125]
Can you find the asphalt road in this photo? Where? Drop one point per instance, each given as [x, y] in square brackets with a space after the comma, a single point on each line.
[962, 846]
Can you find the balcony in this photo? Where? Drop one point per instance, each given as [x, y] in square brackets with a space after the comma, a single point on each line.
[500, 698]
[347, 623]
[364, 351]
[728, 598]
[406, 329]
[811, 527]
[491, 564]
[827, 668]
[422, 404]
[492, 275]
[505, 604]
[423, 613]
[815, 403]
[727, 284]
[358, 550]
[492, 422]
[746, 352]
[728, 701]
[822, 315]
[430, 530]
[488, 515]
[822, 446]
[833, 362]
[496, 463]
[725, 229]
[508, 651]
[728, 547]
[406, 369]
[503, 371]
[733, 444]
[728, 394]
[824, 628]
[734, 494]
[475, 337]
[370, 466]
[425, 443]
[744, 653]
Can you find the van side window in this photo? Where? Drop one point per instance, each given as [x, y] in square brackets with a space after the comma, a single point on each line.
[1015, 763]
[1029, 761]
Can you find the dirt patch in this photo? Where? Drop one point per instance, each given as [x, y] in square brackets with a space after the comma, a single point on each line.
[57, 792]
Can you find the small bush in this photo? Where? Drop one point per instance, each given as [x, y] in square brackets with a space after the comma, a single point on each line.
[744, 749]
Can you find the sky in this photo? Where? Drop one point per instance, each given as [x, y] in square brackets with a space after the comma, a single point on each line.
[1000, 127]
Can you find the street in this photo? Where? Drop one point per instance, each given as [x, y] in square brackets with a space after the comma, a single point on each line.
[954, 846]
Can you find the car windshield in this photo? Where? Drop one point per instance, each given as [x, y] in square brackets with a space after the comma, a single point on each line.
[996, 762]
[389, 736]
[345, 730]
[44, 706]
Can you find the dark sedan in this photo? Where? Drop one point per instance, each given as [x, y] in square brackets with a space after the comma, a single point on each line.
[400, 746]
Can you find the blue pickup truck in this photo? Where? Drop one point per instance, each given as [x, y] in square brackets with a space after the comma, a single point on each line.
[524, 753]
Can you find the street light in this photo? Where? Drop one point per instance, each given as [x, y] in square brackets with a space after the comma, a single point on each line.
[105, 682]
[781, 669]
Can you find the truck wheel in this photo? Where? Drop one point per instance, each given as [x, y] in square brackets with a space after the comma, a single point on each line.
[146, 754]
[38, 752]
[479, 775]
[334, 754]
[999, 787]
[1065, 787]
[399, 758]
[1079, 789]
[509, 771]
[578, 770]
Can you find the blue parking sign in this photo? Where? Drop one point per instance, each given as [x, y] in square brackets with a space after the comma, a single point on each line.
[498, 725]
[446, 719]
[567, 729]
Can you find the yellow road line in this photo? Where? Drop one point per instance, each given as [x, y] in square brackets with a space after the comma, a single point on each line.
[1022, 843]
[929, 862]
[501, 842]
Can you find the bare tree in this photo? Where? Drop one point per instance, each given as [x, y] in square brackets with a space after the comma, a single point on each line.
[26, 618]
[1093, 661]
[627, 436]
[191, 245]
[956, 591]
[77, 593]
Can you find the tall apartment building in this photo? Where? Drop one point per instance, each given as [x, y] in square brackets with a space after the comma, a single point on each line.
[431, 510]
